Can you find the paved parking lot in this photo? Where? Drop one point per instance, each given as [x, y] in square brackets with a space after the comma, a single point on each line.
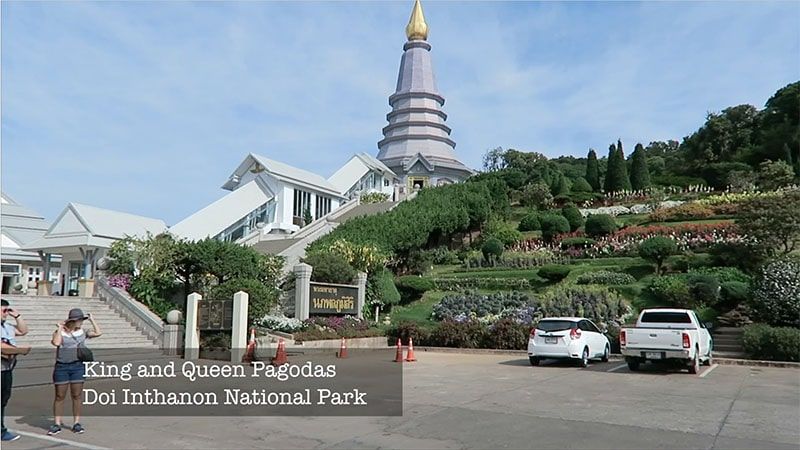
[493, 401]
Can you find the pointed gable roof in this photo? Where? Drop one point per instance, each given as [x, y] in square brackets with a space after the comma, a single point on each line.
[283, 172]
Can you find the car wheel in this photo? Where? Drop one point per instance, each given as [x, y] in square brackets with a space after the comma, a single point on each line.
[584, 361]
[606, 354]
[633, 365]
[695, 367]
[534, 360]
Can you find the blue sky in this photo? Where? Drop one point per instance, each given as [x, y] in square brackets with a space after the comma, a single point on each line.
[147, 107]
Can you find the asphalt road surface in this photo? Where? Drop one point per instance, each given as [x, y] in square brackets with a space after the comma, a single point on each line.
[487, 401]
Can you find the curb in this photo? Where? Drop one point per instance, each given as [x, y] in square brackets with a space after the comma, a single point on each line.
[614, 356]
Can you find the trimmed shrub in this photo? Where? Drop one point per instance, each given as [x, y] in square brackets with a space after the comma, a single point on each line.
[470, 283]
[468, 334]
[704, 289]
[444, 256]
[407, 329]
[530, 222]
[776, 293]
[657, 249]
[508, 334]
[381, 289]
[412, 287]
[553, 225]
[605, 277]
[772, 343]
[374, 197]
[671, 290]
[599, 225]
[330, 268]
[503, 231]
[554, 272]
[734, 293]
[492, 250]
[573, 216]
[577, 242]
[723, 274]
[262, 297]
[580, 185]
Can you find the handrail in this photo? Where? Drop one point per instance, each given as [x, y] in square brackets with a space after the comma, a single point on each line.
[133, 310]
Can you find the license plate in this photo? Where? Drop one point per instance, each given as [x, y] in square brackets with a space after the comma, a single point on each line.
[652, 355]
[551, 340]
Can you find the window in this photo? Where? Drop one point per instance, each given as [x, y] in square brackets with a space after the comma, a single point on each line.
[11, 269]
[385, 182]
[323, 206]
[302, 202]
[244, 226]
[666, 317]
[555, 325]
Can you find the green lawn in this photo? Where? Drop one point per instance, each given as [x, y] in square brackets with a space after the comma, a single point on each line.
[418, 311]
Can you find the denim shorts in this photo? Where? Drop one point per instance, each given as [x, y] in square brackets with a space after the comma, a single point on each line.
[65, 373]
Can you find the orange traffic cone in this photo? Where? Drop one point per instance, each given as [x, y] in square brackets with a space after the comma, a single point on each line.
[280, 356]
[342, 350]
[250, 354]
[410, 355]
[399, 355]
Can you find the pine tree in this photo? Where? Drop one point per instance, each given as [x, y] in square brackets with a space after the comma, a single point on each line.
[610, 183]
[592, 172]
[623, 168]
[640, 175]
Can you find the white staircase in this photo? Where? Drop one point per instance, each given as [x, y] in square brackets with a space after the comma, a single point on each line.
[42, 313]
[121, 341]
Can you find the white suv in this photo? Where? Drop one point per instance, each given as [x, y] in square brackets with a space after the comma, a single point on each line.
[574, 338]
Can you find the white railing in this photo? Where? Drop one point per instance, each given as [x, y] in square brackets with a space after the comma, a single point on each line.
[133, 310]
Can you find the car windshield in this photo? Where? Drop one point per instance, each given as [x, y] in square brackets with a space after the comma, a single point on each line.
[555, 325]
[666, 317]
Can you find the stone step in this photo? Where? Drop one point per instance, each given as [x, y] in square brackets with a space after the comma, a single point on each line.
[727, 348]
[733, 355]
[727, 340]
[728, 330]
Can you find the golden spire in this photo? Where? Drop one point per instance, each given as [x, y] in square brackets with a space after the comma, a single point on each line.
[417, 29]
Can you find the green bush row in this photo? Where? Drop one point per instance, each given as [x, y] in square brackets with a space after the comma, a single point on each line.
[772, 343]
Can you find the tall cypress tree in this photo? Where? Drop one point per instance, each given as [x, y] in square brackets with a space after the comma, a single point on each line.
[612, 176]
[623, 168]
[592, 172]
[640, 175]
[787, 154]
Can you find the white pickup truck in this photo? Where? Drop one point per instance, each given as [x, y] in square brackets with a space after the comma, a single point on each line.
[662, 335]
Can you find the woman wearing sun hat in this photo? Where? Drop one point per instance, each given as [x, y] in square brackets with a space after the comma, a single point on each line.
[69, 369]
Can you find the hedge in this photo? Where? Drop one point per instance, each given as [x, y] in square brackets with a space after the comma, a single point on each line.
[772, 343]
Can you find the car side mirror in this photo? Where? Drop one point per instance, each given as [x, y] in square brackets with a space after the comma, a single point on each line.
[709, 325]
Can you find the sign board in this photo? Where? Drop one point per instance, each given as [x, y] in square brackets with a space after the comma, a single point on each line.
[333, 299]
[215, 314]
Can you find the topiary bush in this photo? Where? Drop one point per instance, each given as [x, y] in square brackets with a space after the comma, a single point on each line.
[745, 256]
[330, 268]
[530, 222]
[704, 289]
[262, 297]
[412, 287]
[733, 294]
[577, 242]
[469, 334]
[605, 277]
[773, 343]
[381, 290]
[407, 329]
[723, 274]
[573, 216]
[776, 293]
[687, 211]
[554, 272]
[671, 290]
[599, 225]
[503, 231]
[507, 334]
[657, 249]
[553, 225]
[492, 250]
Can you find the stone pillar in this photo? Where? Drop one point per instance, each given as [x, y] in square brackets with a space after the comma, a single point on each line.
[362, 293]
[191, 346]
[171, 339]
[302, 290]
[86, 287]
[239, 332]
